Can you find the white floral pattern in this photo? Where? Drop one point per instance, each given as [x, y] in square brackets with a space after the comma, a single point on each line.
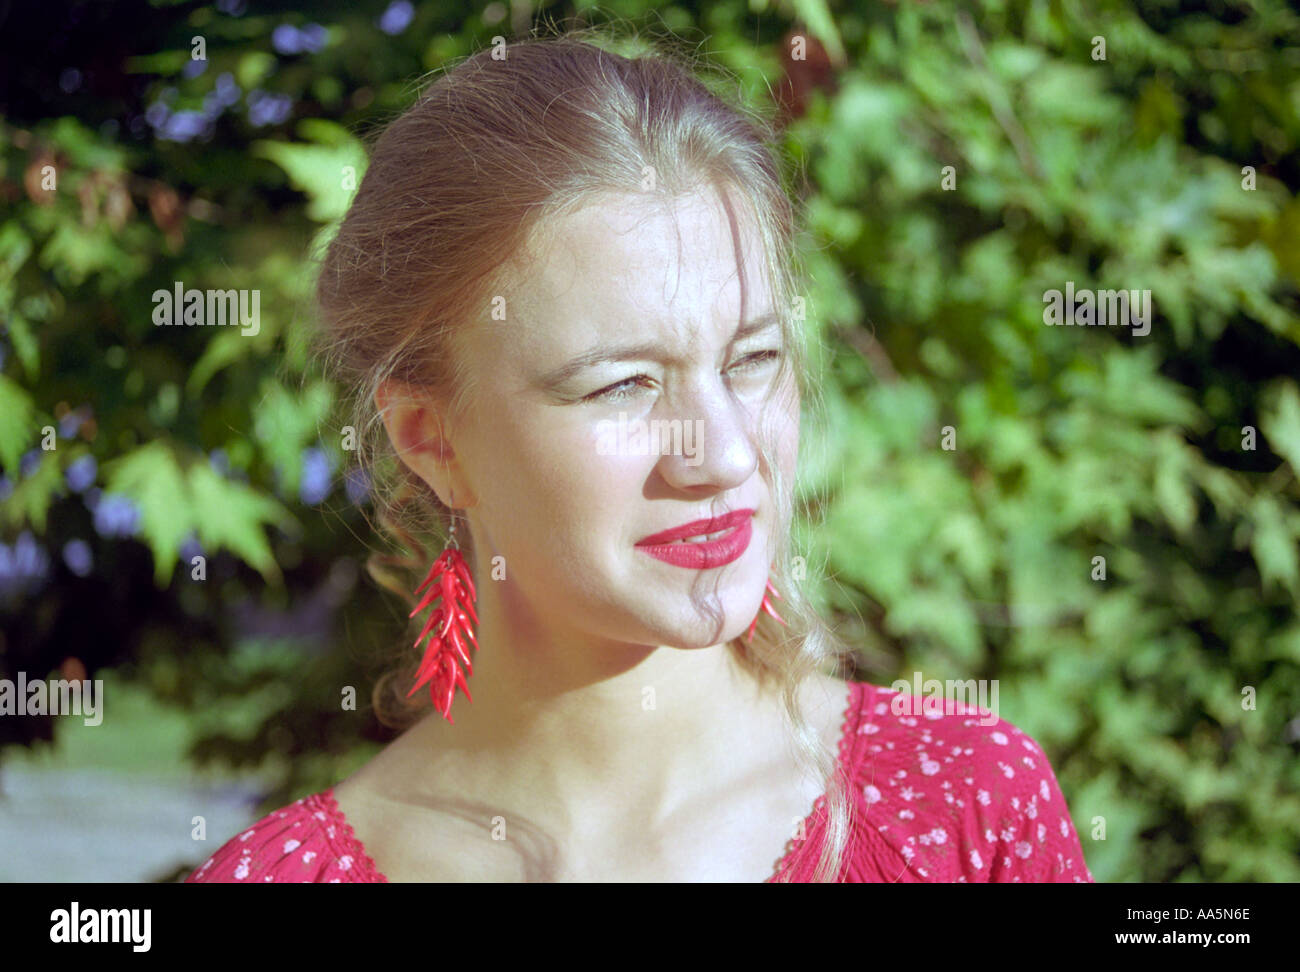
[980, 809]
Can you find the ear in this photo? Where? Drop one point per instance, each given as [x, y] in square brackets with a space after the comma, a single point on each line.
[418, 427]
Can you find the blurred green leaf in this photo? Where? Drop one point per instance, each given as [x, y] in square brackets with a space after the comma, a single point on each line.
[17, 417]
[329, 171]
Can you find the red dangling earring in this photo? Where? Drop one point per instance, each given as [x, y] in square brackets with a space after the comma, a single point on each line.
[766, 606]
[449, 579]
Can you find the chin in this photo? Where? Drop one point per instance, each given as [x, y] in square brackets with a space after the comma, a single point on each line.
[693, 610]
[717, 623]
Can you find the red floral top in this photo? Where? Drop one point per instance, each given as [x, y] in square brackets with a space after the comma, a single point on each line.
[948, 795]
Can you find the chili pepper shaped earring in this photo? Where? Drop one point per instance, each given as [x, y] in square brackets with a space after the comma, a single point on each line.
[765, 606]
[450, 645]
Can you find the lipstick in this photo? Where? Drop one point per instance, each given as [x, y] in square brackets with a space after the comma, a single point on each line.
[702, 544]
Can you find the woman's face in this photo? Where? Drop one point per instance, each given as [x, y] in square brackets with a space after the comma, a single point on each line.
[623, 395]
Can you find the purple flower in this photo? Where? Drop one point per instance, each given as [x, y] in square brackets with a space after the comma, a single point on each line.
[183, 126]
[76, 554]
[285, 39]
[23, 567]
[29, 463]
[397, 17]
[6, 487]
[156, 114]
[71, 423]
[227, 90]
[191, 548]
[317, 472]
[268, 109]
[232, 7]
[219, 461]
[194, 67]
[356, 483]
[312, 37]
[81, 473]
[116, 516]
[29, 556]
[212, 106]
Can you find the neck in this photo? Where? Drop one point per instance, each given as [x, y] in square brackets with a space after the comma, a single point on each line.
[590, 726]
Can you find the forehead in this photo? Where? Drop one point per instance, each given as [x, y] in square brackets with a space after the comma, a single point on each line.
[687, 269]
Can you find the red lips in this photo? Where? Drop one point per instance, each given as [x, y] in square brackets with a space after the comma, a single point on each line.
[701, 555]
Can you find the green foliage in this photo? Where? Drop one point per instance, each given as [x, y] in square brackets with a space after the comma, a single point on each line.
[16, 426]
[1071, 443]
[1174, 456]
[323, 170]
[177, 502]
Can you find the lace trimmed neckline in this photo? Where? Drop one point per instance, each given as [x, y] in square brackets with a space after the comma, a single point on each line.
[347, 839]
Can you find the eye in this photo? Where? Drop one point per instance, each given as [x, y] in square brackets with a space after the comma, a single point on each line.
[752, 362]
[621, 391]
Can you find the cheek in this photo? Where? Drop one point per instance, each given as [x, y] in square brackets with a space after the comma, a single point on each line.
[781, 423]
[545, 482]
[784, 428]
[789, 425]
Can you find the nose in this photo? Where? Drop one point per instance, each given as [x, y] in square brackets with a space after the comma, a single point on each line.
[717, 443]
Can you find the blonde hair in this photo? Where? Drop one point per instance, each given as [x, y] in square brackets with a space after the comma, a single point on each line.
[496, 147]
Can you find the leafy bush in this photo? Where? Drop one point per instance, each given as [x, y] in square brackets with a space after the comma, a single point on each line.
[976, 465]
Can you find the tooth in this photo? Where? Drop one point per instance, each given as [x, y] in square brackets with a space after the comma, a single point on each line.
[703, 537]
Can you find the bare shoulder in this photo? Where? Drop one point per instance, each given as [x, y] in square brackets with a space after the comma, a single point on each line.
[413, 825]
[368, 794]
[353, 794]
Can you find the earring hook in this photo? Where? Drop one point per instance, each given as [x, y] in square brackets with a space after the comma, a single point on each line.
[452, 540]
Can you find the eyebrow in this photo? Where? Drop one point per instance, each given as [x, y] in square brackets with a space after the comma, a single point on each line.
[648, 349]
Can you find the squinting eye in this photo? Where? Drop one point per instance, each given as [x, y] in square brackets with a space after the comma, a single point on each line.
[755, 360]
[620, 391]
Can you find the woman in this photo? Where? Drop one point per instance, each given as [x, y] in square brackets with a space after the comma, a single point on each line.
[564, 286]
